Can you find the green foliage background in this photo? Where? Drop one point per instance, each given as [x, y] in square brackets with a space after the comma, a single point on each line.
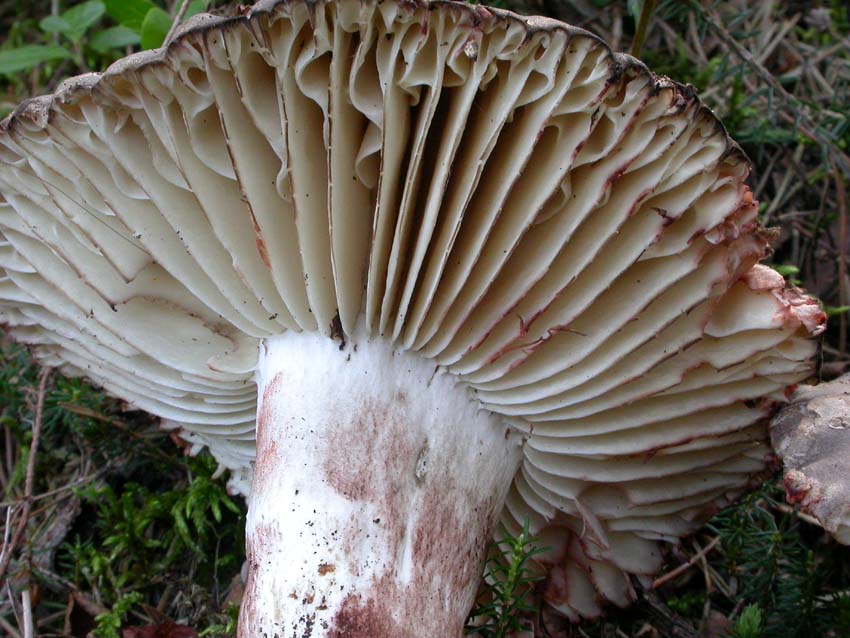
[128, 530]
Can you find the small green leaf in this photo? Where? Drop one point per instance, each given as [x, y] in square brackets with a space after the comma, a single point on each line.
[230, 505]
[195, 7]
[155, 27]
[109, 623]
[787, 270]
[82, 16]
[749, 623]
[30, 56]
[129, 13]
[834, 311]
[114, 38]
[54, 24]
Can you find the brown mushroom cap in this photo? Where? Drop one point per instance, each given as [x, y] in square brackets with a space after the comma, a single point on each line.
[812, 437]
[566, 233]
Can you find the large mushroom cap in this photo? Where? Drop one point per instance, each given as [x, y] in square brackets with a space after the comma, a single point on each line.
[567, 234]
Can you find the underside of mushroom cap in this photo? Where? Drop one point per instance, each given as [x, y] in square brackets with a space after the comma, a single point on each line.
[567, 234]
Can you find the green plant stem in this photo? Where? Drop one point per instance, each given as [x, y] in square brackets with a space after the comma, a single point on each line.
[646, 12]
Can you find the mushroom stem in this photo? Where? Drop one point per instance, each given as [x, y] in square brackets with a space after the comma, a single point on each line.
[376, 490]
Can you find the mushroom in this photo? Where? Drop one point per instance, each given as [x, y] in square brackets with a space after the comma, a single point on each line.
[811, 436]
[408, 269]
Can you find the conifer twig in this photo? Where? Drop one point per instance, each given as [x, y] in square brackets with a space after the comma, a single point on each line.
[658, 582]
[843, 292]
[178, 18]
[26, 604]
[30, 475]
[798, 108]
[8, 628]
[65, 488]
